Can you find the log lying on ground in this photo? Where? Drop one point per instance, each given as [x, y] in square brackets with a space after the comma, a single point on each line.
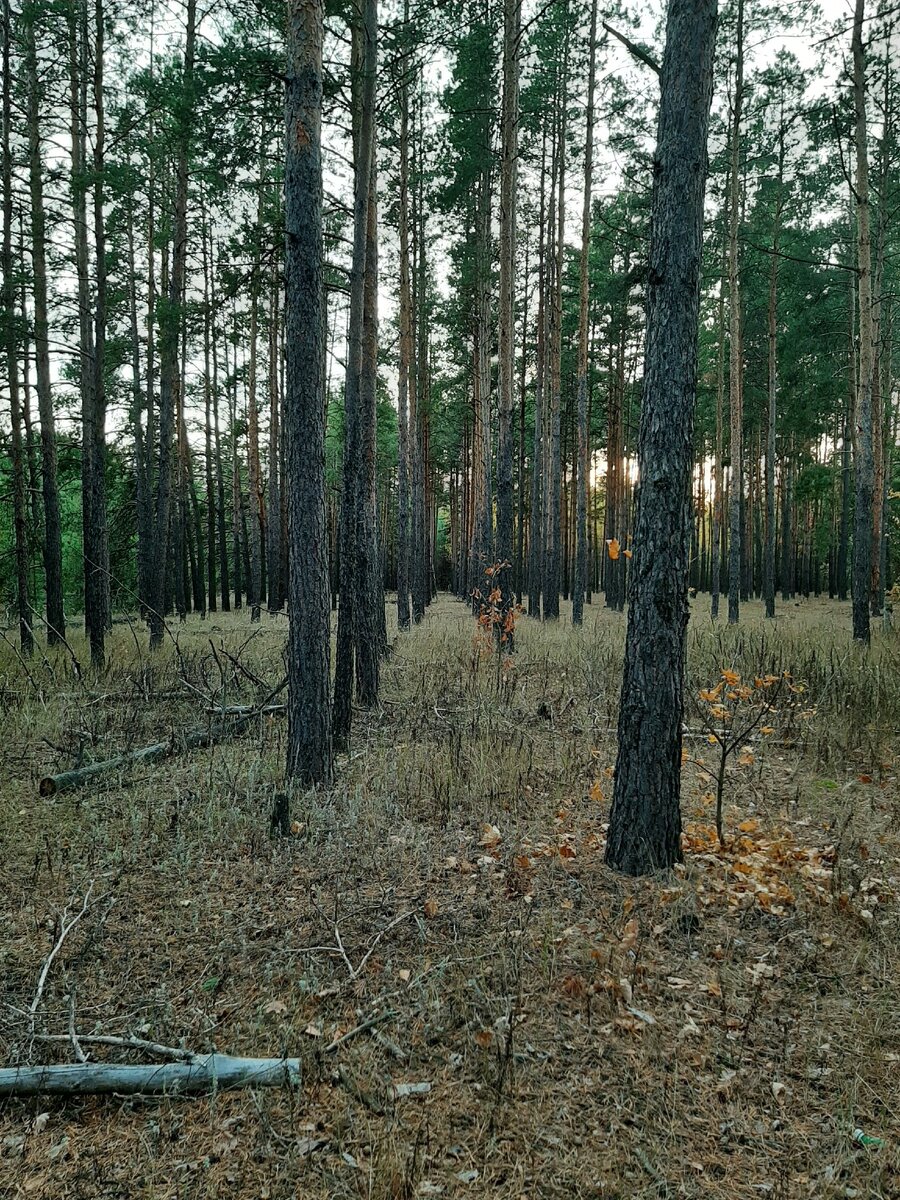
[195, 739]
[242, 710]
[204, 1073]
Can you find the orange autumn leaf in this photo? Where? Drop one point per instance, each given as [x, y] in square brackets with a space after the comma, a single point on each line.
[731, 677]
[627, 553]
[596, 792]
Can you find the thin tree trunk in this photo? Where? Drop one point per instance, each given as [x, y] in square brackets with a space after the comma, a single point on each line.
[273, 527]
[403, 548]
[554, 474]
[735, 378]
[769, 559]
[863, 450]
[170, 326]
[56, 621]
[536, 529]
[77, 33]
[20, 507]
[509, 152]
[352, 501]
[99, 534]
[583, 449]
[211, 591]
[256, 516]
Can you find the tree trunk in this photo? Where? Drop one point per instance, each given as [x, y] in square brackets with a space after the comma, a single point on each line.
[352, 500]
[369, 624]
[254, 475]
[645, 823]
[583, 449]
[483, 542]
[273, 526]
[536, 524]
[56, 621]
[735, 376]
[417, 397]
[863, 450]
[224, 580]
[309, 754]
[20, 507]
[170, 327]
[211, 596]
[769, 558]
[509, 152]
[405, 360]
[554, 473]
[92, 554]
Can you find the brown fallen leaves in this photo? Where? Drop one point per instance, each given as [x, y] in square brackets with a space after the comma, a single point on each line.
[757, 868]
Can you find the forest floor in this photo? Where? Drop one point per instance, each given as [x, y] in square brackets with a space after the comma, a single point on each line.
[719, 1032]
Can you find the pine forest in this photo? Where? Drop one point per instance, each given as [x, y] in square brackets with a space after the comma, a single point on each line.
[449, 542]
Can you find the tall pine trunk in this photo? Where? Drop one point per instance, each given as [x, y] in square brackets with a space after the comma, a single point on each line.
[645, 823]
[405, 359]
[20, 504]
[583, 449]
[736, 375]
[169, 338]
[863, 449]
[772, 323]
[509, 143]
[309, 755]
[56, 621]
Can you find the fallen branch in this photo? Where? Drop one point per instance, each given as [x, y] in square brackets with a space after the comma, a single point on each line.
[205, 1073]
[362, 1028]
[125, 1043]
[196, 739]
[64, 931]
[240, 710]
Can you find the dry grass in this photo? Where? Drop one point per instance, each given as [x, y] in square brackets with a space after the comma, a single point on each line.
[472, 817]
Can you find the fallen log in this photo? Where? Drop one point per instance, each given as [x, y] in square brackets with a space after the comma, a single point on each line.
[242, 710]
[195, 739]
[202, 1074]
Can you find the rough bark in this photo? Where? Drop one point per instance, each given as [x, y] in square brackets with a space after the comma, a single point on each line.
[645, 823]
[718, 515]
[536, 521]
[509, 151]
[405, 358]
[77, 35]
[254, 474]
[56, 621]
[554, 467]
[351, 551]
[736, 374]
[863, 448]
[772, 331]
[170, 326]
[273, 523]
[309, 755]
[583, 449]
[20, 508]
